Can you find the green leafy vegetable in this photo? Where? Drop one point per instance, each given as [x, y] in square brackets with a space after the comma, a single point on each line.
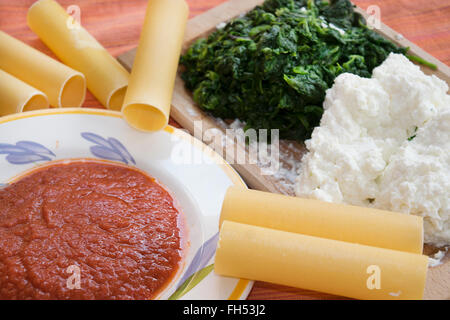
[411, 138]
[424, 62]
[272, 67]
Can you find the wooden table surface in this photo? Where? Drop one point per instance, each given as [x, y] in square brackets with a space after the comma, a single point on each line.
[117, 23]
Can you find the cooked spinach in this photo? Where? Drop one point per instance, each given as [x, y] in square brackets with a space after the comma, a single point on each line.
[271, 67]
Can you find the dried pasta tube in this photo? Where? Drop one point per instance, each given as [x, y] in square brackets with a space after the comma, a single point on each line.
[17, 96]
[63, 86]
[318, 264]
[361, 225]
[148, 99]
[106, 78]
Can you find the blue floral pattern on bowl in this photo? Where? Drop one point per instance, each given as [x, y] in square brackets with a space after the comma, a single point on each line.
[198, 269]
[112, 140]
[25, 152]
[108, 149]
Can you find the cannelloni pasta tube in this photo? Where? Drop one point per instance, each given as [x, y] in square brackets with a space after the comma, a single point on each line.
[63, 86]
[318, 264]
[148, 99]
[17, 96]
[106, 78]
[326, 220]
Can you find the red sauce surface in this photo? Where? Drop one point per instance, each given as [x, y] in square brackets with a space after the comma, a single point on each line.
[118, 225]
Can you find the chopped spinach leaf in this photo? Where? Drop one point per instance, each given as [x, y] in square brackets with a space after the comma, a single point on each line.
[271, 68]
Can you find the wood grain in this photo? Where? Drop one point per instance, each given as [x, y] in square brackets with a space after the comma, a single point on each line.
[187, 113]
[117, 23]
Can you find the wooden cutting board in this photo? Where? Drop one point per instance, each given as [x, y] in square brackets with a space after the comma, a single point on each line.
[188, 115]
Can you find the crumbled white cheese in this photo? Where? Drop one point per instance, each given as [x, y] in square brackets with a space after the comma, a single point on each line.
[436, 259]
[385, 142]
[417, 179]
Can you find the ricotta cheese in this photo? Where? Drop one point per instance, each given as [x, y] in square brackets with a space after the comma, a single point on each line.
[384, 142]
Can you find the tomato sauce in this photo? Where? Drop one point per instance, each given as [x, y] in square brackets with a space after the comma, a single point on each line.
[87, 230]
